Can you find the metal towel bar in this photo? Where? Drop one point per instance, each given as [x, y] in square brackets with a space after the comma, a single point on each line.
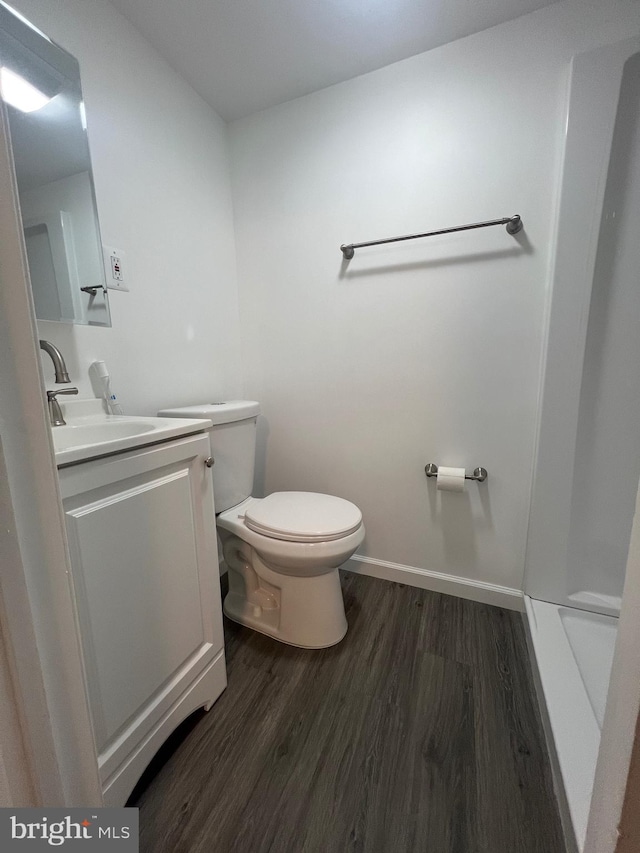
[513, 223]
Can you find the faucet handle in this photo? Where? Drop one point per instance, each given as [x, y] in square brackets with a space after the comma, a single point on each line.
[51, 395]
[55, 412]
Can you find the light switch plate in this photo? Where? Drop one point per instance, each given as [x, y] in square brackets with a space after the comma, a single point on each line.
[115, 268]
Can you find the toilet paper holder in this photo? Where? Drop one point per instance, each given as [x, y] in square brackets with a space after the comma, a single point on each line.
[479, 474]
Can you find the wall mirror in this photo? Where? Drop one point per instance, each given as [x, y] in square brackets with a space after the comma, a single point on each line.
[40, 87]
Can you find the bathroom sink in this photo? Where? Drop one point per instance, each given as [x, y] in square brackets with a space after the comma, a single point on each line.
[89, 432]
[80, 435]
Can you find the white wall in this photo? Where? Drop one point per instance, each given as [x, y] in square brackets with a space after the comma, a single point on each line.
[427, 351]
[160, 165]
[607, 457]
[582, 263]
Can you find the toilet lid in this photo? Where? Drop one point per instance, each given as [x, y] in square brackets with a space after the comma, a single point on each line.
[303, 517]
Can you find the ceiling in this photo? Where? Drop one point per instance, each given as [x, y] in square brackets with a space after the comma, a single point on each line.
[246, 55]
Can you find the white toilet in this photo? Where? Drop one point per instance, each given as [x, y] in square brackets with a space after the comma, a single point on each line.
[282, 551]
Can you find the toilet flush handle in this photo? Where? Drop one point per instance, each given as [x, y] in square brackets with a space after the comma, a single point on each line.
[209, 461]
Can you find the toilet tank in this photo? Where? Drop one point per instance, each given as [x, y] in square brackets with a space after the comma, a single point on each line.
[233, 446]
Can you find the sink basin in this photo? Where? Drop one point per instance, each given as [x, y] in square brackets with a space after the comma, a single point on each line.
[80, 435]
[90, 432]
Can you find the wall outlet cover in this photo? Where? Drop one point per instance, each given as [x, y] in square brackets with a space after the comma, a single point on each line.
[114, 268]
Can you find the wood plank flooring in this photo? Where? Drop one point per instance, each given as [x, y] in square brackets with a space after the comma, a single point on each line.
[419, 733]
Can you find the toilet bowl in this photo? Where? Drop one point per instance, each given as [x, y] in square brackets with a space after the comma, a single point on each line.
[289, 587]
[283, 551]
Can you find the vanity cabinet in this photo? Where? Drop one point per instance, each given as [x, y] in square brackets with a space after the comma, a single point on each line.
[141, 531]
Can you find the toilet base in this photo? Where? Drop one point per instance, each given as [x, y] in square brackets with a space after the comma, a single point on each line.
[307, 612]
[234, 608]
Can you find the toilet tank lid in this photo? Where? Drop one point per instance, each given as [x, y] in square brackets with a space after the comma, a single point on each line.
[219, 413]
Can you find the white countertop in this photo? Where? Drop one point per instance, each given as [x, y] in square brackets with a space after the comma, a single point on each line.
[90, 432]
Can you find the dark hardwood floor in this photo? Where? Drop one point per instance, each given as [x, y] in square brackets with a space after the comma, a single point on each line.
[418, 733]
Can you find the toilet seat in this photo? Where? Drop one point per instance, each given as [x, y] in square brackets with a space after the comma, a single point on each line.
[303, 517]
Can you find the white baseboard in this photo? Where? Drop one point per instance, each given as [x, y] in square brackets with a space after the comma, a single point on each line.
[487, 593]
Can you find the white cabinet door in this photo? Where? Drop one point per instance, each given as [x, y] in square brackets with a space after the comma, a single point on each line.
[141, 530]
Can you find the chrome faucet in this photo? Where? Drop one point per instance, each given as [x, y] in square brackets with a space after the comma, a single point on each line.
[58, 361]
[60, 368]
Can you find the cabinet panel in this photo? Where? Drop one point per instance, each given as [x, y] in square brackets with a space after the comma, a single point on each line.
[140, 584]
[141, 530]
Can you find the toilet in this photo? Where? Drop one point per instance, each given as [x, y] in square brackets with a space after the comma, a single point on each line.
[282, 551]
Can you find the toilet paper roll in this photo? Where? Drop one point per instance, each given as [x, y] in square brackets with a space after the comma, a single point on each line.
[450, 479]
